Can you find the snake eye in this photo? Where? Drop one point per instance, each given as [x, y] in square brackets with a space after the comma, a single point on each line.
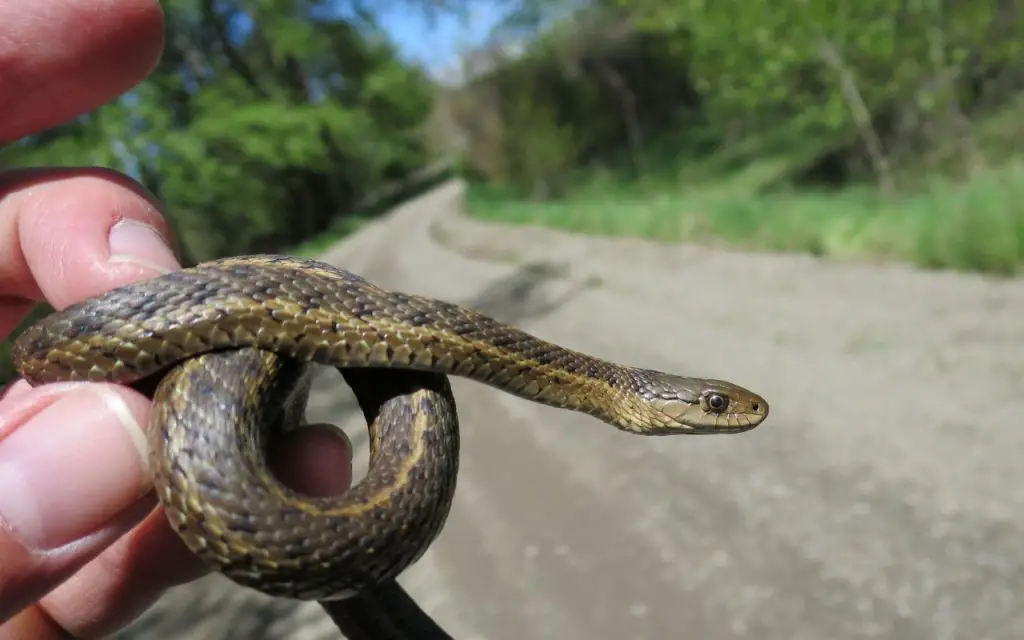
[717, 402]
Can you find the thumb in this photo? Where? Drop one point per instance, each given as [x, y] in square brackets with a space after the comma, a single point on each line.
[73, 478]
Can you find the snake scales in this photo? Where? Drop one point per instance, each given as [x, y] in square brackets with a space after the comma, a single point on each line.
[225, 347]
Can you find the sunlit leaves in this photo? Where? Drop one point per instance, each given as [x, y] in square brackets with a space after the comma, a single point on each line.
[264, 121]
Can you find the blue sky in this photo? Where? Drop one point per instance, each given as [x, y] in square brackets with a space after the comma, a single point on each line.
[439, 45]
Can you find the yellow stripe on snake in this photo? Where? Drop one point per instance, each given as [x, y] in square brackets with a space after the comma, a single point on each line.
[229, 343]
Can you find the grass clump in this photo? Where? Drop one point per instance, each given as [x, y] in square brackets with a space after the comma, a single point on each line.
[975, 225]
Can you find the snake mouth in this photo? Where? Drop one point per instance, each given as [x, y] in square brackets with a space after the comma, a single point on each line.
[740, 423]
[719, 429]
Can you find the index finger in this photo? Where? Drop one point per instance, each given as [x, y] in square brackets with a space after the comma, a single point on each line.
[62, 58]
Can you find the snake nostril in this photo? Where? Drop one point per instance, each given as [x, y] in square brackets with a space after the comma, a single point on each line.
[756, 406]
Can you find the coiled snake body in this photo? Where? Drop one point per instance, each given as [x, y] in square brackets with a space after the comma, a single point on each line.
[230, 342]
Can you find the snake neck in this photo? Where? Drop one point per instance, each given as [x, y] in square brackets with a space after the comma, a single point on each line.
[531, 368]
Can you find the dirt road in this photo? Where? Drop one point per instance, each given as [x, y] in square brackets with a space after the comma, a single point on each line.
[883, 498]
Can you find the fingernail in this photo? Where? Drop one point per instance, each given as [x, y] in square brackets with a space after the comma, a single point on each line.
[138, 243]
[74, 466]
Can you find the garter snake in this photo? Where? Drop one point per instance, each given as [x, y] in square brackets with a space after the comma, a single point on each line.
[228, 345]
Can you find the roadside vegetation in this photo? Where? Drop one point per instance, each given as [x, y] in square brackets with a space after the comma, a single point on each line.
[879, 131]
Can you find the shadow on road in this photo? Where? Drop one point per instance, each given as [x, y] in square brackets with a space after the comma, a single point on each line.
[513, 299]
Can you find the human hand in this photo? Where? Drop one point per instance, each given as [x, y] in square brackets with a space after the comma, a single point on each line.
[82, 552]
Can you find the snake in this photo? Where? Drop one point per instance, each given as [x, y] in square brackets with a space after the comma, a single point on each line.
[225, 350]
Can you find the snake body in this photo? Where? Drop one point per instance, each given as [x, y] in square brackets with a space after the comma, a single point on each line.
[230, 341]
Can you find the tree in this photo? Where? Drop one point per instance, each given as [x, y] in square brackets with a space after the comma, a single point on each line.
[264, 122]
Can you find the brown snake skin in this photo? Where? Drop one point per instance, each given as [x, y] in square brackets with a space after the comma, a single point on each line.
[228, 344]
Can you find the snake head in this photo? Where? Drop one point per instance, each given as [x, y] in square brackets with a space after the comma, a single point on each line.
[676, 404]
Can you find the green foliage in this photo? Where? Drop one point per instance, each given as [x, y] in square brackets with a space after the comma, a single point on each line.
[542, 149]
[764, 60]
[870, 89]
[263, 124]
[585, 90]
[882, 128]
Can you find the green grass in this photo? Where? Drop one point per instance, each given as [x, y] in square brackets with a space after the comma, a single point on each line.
[976, 225]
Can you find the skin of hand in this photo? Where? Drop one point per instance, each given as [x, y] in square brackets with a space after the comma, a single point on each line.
[83, 551]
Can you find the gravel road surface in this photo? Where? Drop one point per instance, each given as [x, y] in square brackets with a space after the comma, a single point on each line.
[883, 497]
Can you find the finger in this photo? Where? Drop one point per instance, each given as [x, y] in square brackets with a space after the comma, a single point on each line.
[62, 58]
[73, 478]
[121, 583]
[66, 235]
[315, 460]
[134, 572]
